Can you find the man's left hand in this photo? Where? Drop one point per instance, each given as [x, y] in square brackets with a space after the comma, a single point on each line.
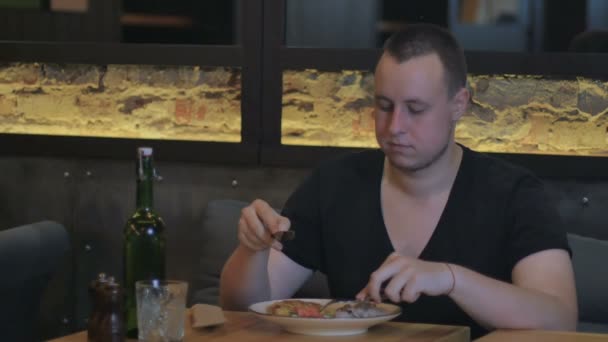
[406, 279]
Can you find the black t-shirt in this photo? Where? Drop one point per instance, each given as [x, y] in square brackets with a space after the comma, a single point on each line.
[496, 214]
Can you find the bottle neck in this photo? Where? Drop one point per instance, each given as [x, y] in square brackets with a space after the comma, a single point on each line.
[145, 177]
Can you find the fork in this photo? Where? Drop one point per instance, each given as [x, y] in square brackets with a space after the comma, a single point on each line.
[368, 299]
[283, 236]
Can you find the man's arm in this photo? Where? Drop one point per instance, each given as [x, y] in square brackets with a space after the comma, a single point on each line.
[542, 296]
[543, 293]
[256, 272]
[249, 278]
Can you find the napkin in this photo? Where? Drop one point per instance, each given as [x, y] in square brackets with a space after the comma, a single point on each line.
[205, 315]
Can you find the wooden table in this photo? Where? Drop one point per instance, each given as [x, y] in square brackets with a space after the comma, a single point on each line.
[541, 336]
[244, 326]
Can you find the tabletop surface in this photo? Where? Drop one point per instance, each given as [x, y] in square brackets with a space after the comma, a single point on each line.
[542, 336]
[245, 326]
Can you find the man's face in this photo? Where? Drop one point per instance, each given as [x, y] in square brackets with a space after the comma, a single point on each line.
[413, 114]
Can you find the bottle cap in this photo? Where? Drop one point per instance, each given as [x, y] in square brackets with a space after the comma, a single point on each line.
[99, 281]
[144, 151]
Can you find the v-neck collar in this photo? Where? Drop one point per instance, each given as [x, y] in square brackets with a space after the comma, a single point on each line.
[459, 187]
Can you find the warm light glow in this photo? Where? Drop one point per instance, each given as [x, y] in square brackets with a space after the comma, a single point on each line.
[121, 101]
[508, 113]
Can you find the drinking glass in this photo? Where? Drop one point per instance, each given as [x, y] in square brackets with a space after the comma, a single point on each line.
[161, 310]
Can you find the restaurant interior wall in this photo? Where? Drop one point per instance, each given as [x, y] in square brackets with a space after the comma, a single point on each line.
[545, 111]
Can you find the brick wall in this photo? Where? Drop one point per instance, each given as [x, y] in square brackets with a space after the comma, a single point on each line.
[526, 114]
[127, 101]
[508, 113]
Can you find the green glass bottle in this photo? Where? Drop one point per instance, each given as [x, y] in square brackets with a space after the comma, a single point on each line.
[144, 239]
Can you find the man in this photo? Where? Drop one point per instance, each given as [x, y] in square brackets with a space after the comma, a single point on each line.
[457, 237]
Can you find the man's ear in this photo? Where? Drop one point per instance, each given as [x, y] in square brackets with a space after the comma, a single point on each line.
[460, 102]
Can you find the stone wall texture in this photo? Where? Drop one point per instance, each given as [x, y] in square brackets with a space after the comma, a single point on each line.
[508, 113]
[126, 101]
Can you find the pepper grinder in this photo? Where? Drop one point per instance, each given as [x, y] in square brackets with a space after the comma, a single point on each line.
[95, 297]
[111, 324]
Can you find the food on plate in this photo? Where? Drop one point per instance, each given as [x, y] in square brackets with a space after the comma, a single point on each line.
[359, 309]
[307, 309]
[295, 308]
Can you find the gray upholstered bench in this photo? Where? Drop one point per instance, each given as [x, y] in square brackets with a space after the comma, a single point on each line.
[29, 255]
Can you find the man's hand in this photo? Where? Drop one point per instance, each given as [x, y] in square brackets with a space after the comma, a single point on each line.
[258, 223]
[406, 279]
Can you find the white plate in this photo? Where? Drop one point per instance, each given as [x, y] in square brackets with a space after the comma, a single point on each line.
[324, 326]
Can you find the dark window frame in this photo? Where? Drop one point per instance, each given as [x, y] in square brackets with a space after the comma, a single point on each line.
[263, 56]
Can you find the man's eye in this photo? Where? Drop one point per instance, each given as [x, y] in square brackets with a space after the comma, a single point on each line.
[386, 108]
[416, 110]
[383, 106]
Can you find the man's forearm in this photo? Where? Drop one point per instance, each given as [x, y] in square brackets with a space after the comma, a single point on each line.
[496, 304]
[244, 279]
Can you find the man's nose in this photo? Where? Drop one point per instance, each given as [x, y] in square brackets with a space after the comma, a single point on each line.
[398, 122]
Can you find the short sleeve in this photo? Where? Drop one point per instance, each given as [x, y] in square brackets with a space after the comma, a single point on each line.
[535, 222]
[302, 209]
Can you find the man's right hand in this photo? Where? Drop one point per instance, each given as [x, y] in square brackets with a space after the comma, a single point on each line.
[258, 223]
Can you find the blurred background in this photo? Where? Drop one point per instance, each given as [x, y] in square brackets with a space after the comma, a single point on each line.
[522, 25]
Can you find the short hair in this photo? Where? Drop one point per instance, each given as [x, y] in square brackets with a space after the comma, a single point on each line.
[590, 41]
[417, 40]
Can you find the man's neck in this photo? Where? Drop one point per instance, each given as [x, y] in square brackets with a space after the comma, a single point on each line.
[437, 177]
